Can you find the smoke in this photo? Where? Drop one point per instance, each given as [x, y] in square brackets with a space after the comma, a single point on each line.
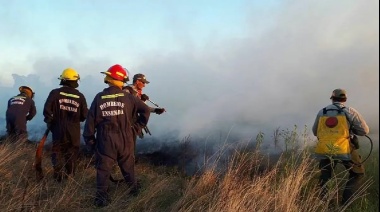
[280, 78]
[279, 73]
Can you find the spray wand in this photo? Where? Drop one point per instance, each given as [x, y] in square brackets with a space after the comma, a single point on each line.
[153, 103]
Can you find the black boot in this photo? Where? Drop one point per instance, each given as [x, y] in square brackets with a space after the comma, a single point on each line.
[135, 188]
[101, 200]
[352, 186]
[58, 176]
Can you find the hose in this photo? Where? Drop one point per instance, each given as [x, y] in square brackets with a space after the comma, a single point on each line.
[370, 151]
[369, 154]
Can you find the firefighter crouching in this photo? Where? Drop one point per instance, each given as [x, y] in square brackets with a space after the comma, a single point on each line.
[64, 109]
[110, 118]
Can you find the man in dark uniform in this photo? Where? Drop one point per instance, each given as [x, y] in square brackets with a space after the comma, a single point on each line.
[64, 109]
[21, 108]
[110, 118]
[136, 89]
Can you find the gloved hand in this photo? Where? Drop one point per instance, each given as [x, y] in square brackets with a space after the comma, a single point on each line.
[48, 121]
[144, 97]
[354, 141]
[90, 143]
[137, 130]
[48, 125]
[159, 110]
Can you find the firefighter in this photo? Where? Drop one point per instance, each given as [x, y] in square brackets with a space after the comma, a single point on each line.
[349, 123]
[21, 108]
[109, 118]
[64, 109]
[139, 82]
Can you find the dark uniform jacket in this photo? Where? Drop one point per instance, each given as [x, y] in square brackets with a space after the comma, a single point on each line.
[133, 90]
[21, 109]
[110, 117]
[65, 108]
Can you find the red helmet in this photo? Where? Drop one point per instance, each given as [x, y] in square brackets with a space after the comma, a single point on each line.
[117, 72]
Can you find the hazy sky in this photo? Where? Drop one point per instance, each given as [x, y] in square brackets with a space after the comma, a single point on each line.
[216, 66]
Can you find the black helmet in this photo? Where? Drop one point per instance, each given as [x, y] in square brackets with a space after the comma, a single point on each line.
[140, 77]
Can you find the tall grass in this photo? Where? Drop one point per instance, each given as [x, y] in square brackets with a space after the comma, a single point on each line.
[247, 181]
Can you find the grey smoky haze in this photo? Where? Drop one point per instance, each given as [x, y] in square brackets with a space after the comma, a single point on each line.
[279, 74]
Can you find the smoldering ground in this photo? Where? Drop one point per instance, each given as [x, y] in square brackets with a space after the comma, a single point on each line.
[278, 73]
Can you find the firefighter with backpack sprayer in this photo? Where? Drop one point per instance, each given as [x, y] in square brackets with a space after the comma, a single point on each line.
[336, 127]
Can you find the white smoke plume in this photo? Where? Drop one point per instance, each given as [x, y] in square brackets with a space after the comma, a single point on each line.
[278, 74]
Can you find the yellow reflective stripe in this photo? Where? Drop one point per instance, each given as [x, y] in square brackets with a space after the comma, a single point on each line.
[111, 96]
[20, 97]
[118, 73]
[69, 95]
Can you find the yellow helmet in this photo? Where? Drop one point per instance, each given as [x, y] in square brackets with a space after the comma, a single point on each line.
[69, 74]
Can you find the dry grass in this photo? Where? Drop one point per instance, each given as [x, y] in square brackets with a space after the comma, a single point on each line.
[245, 188]
[248, 182]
